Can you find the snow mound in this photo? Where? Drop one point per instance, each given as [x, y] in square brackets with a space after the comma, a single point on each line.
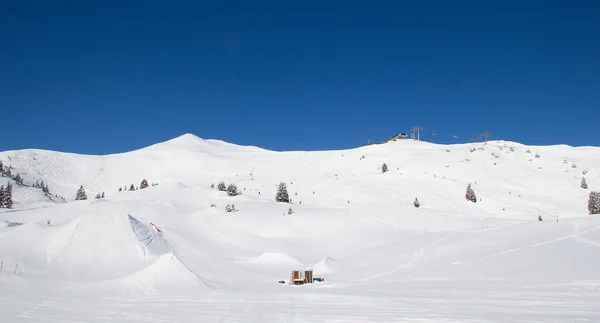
[274, 259]
[325, 267]
[165, 275]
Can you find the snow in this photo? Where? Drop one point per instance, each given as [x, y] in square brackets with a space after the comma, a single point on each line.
[163, 254]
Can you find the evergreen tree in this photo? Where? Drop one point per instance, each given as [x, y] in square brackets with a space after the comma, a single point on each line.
[132, 188]
[2, 196]
[282, 193]
[102, 195]
[81, 195]
[583, 183]
[470, 195]
[416, 203]
[232, 190]
[594, 203]
[222, 187]
[212, 185]
[18, 179]
[7, 199]
[384, 168]
[1, 167]
[144, 184]
[120, 189]
[98, 196]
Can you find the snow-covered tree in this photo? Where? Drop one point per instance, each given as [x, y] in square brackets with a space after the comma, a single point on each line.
[2, 196]
[282, 193]
[132, 188]
[7, 201]
[230, 208]
[144, 184]
[81, 195]
[594, 203]
[221, 187]
[98, 196]
[470, 195]
[212, 185]
[416, 203]
[583, 183]
[102, 196]
[384, 168]
[232, 190]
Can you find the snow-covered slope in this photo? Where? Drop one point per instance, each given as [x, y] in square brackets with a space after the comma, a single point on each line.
[382, 258]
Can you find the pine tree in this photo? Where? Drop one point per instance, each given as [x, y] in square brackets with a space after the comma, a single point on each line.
[7, 200]
[102, 195]
[470, 195]
[132, 188]
[416, 203]
[583, 183]
[120, 189]
[18, 179]
[1, 167]
[144, 184]
[232, 190]
[594, 203]
[384, 168]
[222, 187]
[81, 195]
[282, 193]
[2, 196]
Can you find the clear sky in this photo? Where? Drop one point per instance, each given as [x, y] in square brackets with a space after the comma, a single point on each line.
[111, 76]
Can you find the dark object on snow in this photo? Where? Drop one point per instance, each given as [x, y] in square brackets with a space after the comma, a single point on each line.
[316, 279]
[282, 282]
[539, 218]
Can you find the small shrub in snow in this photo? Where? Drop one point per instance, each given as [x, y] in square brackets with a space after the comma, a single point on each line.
[213, 205]
[221, 187]
[512, 149]
[120, 189]
[98, 196]
[282, 193]
[537, 155]
[470, 194]
[81, 195]
[583, 183]
[144, 184]
[416, 203]
[384, 168]
[232, 190]
[132, 188]
[212, 185]
[290, 211]
[472, 150]
[594, 203]
[228, 208]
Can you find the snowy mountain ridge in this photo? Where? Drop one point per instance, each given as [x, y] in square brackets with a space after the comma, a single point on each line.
[150, 253]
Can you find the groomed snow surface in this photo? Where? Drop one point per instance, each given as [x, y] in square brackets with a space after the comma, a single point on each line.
[163, 254]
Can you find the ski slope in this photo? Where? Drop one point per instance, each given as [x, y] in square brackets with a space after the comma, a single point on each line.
[383, 260]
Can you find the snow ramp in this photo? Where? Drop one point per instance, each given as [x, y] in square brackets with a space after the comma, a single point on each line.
[115, 250]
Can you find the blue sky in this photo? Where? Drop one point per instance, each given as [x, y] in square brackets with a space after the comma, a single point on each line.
[111, 76]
